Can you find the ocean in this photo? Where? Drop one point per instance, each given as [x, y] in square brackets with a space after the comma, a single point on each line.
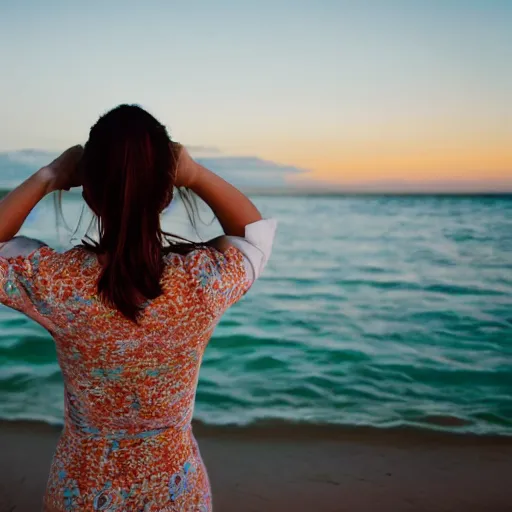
[382, 311]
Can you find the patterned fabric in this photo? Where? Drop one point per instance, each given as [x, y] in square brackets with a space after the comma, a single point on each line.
[127, 444]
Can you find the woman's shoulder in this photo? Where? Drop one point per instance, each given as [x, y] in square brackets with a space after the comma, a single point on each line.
[20, 246]
[202, 256]
[25, 256]
[36, 255]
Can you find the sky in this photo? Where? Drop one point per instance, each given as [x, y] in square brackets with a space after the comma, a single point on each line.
[330, 91]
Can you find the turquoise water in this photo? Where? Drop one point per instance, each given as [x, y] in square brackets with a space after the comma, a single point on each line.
[383, 311]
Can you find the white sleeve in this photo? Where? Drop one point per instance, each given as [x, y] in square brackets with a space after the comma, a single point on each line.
[256, 245]
[19, 246]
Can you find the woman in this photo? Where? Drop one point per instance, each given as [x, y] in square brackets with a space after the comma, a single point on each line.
[131, 314]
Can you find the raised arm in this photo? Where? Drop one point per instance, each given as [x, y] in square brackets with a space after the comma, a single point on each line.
[231, 207]
[15, 206]
[241, 221]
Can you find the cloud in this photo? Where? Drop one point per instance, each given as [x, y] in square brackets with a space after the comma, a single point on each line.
[245, 171]
[251, 171]
[242, 171]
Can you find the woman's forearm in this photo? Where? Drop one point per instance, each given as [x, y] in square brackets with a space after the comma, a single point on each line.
[15, 206]
[231, 207]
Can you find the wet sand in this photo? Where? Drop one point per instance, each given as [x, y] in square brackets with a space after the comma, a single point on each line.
[297, 468]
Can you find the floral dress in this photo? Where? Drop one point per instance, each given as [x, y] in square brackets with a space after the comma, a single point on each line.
[129, 390]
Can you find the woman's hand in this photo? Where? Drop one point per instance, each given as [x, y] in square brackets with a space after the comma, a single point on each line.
[186, 170]
[64, 172]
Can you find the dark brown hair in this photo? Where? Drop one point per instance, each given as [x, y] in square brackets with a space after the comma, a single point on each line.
[129, 170]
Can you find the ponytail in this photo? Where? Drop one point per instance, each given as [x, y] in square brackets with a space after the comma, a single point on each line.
[128, 178]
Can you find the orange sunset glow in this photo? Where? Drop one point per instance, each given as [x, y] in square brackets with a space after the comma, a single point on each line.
[483, 157]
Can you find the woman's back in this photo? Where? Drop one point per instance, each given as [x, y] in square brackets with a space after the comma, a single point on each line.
[129, 388]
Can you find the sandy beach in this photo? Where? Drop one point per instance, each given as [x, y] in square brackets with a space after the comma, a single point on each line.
[280, 468]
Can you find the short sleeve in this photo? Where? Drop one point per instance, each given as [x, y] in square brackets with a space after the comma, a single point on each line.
[256, 245]
[220, 277]
[20, 283]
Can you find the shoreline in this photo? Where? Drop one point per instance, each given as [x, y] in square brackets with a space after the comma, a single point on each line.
[278, 467]
[436, 431]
